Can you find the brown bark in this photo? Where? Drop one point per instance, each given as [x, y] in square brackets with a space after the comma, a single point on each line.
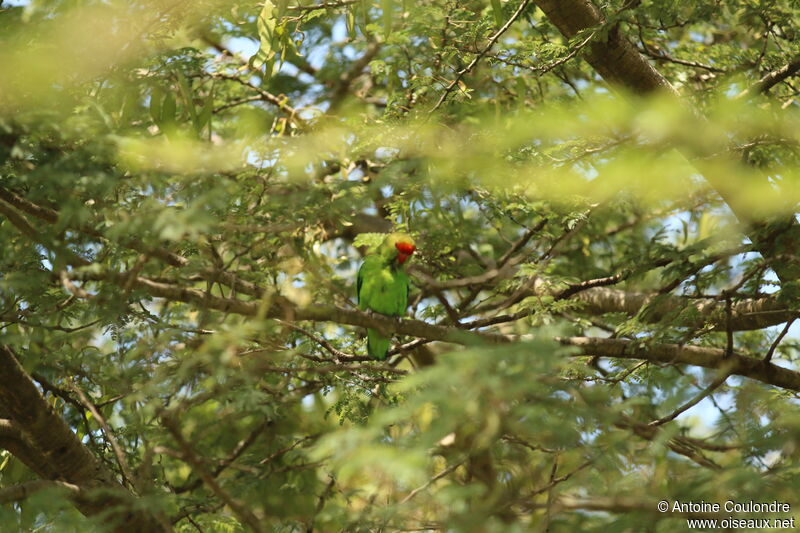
[714, 358]
[40, 438]
[615, 59]
[745, 314]
[773, 78]
[665, 353]
[618, 61]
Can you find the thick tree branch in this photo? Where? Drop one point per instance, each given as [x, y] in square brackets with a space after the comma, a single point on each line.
[769, 80]
[16, 493]
[621, 504]
[667, 353]
[745, 314]
[620, 63]
[281, 308]
[615, 58]
[13, 440]
[72, 462]
[688, 355]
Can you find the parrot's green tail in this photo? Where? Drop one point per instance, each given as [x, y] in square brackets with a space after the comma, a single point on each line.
[377, 344]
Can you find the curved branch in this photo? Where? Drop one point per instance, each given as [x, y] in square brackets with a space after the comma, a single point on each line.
[687, 355]
[70, 460]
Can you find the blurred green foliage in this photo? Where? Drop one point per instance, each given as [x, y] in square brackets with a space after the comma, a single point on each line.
[160, 143]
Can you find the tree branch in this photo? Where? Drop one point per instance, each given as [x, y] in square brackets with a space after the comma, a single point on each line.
[16, 493]
[187, 454]
[771, 79]
[724, 373]
[619, 62]
[70, 460]
[687, 355]
[323, 5]
[281, 308]
[493, 39]
[51, 216]
[745, 314]
[122, 461]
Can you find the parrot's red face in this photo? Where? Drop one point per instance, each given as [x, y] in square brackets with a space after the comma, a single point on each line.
[404, 251]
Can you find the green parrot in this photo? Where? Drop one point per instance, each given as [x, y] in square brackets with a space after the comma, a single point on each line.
[383, 286]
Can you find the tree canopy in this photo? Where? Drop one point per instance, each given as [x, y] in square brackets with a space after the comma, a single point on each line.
[604, 199]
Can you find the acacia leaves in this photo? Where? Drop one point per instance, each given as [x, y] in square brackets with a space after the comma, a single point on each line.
[183, 213]
[275, 37]
[265, 24]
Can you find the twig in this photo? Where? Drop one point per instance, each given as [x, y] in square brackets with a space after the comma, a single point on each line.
[661, 55]
[280, 103]
[238, 450]
[778, 340]
[287, 449]
[321, 502]
[76, 291]
[550, 485]
[337, 354]
[430, 482]
[544, 69]
[521, 242]
[728, 328]
[118, 452]
[492, 40]
[724, 375]
[188, 455]
[323, 5]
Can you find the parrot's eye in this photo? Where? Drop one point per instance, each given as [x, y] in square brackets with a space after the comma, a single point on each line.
[405, 248]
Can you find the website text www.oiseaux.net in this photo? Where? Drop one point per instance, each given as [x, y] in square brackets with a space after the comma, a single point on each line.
[751, 515]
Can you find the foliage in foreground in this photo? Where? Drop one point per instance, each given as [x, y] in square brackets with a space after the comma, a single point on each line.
[605, 280]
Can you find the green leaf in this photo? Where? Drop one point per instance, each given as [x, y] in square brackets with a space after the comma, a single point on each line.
[266, 34]
[204, 117]
[186, 93]
[281, 6]
[168, 108]
[350, 20]
[497, 11]
[361, 13]
[370, 240]
[386, 6]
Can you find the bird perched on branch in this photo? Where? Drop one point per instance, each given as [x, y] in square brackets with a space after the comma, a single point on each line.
[383, 286]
